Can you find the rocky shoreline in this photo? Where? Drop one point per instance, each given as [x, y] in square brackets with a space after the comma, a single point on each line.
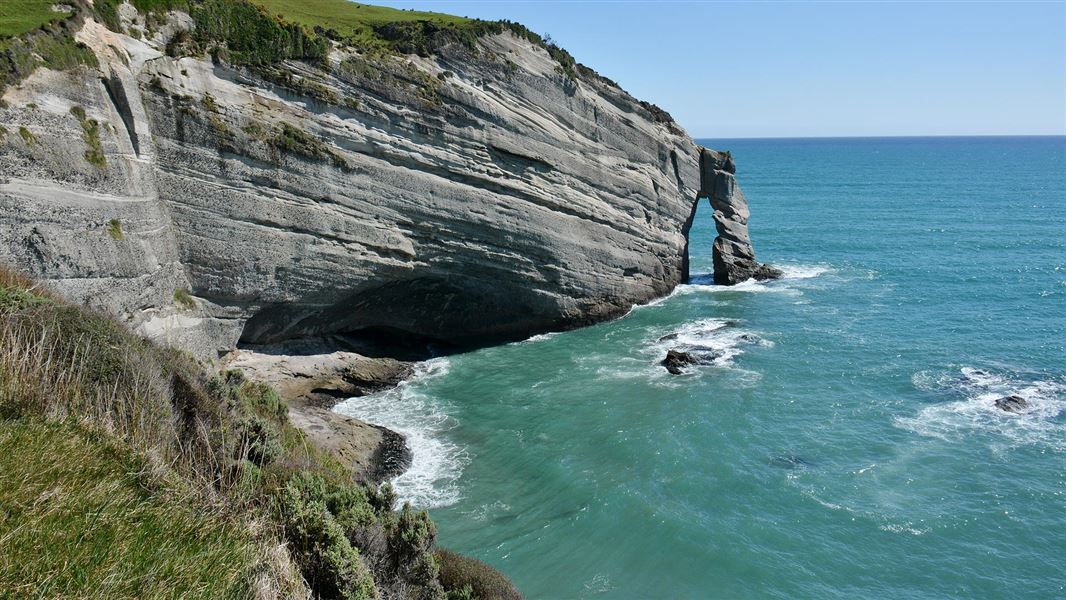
[312, 380]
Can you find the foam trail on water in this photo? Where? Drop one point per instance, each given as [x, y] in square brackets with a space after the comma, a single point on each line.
[1039, 424]
[437, 463]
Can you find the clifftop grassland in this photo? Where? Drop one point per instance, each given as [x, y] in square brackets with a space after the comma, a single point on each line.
[23, 16]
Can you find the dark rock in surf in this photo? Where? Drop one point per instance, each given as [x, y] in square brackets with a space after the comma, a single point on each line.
[668, 337]
[765, 272]
[392, 457]
[1012, 404]
[675, 359]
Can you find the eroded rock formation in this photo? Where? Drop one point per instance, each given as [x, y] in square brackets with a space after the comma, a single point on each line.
[468, 197]
[733, 255]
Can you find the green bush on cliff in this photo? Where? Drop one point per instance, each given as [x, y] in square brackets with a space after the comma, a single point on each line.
[251, 35]
[329, 563]
[466, 577]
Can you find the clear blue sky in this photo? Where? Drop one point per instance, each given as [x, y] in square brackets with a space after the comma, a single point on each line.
[731, 69]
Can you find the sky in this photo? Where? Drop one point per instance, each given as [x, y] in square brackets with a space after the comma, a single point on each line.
[813, 69]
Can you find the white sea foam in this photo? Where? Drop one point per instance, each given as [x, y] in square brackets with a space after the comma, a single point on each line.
[722, 338]
[803, 271]
[907, 529]
[1038, 424]
[539, 337]
[437, 463]
[704, 284]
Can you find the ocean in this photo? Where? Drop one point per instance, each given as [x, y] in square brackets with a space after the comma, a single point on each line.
[845, 442]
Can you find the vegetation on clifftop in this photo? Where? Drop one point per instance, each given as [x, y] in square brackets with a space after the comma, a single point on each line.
[128, 470]
[23, 16]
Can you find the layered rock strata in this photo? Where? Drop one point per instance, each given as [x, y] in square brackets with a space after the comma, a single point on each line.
[465, 198]
[732, 253]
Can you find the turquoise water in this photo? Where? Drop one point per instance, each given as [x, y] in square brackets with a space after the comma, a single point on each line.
[844, 445]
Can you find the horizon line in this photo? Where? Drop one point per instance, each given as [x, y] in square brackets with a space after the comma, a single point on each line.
[869, 137]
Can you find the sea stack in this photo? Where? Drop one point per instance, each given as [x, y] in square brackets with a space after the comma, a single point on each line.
[734, 258]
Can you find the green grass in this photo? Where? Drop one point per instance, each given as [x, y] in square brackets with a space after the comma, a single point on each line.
[78, 521]
[23, 16]
[351, 20]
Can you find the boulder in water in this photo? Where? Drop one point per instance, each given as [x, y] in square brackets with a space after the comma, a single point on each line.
[675, 359]
[765, 272]
[1012, 404]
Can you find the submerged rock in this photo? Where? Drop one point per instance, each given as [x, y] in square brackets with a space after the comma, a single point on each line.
[1012, 404]
[789, 461]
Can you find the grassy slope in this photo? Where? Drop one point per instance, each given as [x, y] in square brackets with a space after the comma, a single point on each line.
[127, 471]
[22, 16]
[349, 17]
[77, 521]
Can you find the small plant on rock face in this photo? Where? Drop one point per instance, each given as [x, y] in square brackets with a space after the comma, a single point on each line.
[95, 154]
[27, 136]
[114, 229]
[208, 102]
[183, 299]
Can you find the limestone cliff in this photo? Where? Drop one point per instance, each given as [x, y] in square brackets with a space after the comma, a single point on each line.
[477, 194]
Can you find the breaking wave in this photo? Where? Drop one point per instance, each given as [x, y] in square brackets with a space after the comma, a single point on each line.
[1040, 423]
[436, 464]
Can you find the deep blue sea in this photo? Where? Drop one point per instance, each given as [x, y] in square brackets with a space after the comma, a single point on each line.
[844, 445]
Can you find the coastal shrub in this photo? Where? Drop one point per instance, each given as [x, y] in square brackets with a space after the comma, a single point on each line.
[223, 442]
[250, 35]
[292, 140]
[107, 13]
[16, 299]
[329, 563]
[182, 44]
[262, 399]
[260, 441]
[459, 573]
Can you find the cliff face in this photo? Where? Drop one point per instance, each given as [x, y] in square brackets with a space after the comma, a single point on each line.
[477, 195]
